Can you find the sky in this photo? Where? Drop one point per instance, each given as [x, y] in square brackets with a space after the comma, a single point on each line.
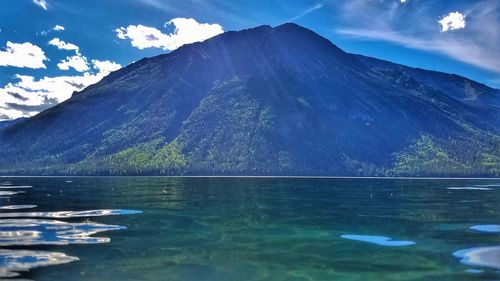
[52, 48]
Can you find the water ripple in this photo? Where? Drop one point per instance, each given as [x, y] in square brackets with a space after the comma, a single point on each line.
[480, 256]
[488, 185]
[27, 232]
[378, 240]
[40, 228]
[470, 188]
[70, 214]
[21, 229]
[14, 261]
[10, 193]
[492, 228]
[17, 207]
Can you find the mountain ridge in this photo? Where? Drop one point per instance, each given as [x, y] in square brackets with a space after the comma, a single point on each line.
[264, 101]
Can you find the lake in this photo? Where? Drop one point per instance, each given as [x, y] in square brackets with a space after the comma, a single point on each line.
[157, 228]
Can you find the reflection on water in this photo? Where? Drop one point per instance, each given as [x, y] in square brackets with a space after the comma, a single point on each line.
[474, 271]
[10, 193]
[276, 229]
[486, 228]
[14, 261]
[17, 207]
[470, 188]
[69, 214]
[17, 229]
[378, 240]
[480, 256]
[22, 232]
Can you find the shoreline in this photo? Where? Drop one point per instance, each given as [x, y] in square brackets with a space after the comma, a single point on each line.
[264, 177]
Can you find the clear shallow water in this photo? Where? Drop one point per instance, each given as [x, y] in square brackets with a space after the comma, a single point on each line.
[249, 229]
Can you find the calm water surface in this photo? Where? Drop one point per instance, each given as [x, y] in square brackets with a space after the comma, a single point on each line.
[249, 229]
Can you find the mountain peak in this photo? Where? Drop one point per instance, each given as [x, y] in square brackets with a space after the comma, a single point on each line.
[290, 26]
[290, 29]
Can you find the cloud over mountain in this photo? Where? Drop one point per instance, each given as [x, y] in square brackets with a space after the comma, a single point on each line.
[186, 31]
[28, 95]
[77, 62]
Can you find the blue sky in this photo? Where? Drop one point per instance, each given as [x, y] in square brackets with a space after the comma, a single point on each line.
[50, 48]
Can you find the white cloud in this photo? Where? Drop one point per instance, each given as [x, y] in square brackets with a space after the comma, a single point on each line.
[28, 96]
[307, 11]
[61, 45]
[464, 51]
[77, 62]
[22, 55]
[143, 36]
[186, 31]
[41, 3]
[58, 28]
[452, 21]
[105, 66]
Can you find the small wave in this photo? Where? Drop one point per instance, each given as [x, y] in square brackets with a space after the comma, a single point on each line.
[21, 229]
[71, 214]
[17, 207]
[378, 240]
[10, 193]
[488, 185]
[474, 271]
[16, 186]
[15, 261]
[469, 188]
[486, 227]
[480, 256]
[24, 232]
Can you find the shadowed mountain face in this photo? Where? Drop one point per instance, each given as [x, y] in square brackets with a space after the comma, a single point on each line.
[264, 101]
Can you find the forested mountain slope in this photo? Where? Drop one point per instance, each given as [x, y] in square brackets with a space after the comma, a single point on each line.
[264, 101]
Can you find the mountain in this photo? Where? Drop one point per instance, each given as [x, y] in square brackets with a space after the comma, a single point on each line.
[264, 101]
[7, 123]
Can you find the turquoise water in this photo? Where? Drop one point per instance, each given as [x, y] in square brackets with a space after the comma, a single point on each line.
[147, 228]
